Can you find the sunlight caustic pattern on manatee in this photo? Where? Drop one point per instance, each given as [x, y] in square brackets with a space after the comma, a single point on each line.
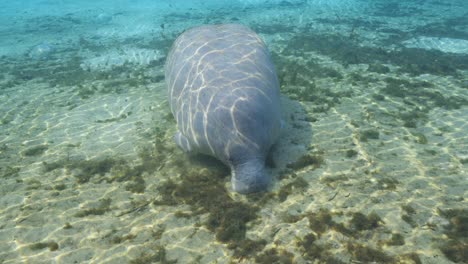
[224, 94]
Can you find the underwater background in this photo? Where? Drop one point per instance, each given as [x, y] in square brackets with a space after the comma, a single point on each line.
[371, 166]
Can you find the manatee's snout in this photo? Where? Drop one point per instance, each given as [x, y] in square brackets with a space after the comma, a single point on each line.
[250, 177]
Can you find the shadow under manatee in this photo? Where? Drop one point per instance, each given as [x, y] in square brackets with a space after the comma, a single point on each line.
[292, 151]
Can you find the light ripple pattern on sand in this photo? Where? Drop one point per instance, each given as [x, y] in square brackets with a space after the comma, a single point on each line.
[443, 44]
[114, 58]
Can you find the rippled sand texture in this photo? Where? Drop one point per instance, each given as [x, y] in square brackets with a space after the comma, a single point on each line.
[371, 167]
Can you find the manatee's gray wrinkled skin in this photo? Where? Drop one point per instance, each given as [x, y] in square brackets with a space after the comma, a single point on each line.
[224, 94]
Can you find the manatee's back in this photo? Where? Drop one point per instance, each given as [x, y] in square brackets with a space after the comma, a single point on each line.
[223, 90]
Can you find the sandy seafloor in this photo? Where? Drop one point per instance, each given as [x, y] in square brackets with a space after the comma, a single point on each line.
[371, 166]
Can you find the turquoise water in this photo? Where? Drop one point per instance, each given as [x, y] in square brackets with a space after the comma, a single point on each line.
[371, 166]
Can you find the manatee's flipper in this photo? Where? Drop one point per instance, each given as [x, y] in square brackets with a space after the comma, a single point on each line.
[182, 142]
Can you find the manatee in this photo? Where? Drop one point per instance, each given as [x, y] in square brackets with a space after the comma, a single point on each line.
[224, 94]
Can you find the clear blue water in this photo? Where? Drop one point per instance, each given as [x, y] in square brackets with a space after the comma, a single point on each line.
[371, 166]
